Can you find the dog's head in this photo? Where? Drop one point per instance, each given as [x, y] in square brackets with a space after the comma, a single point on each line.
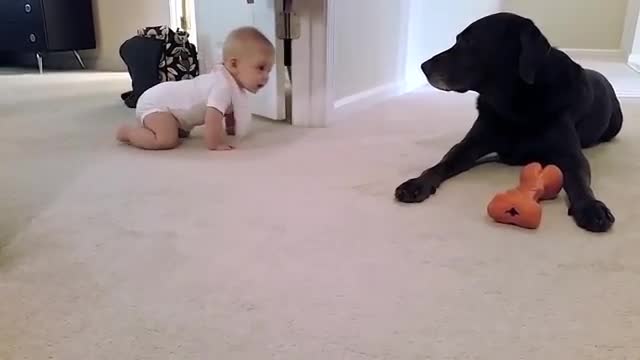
[498, 48]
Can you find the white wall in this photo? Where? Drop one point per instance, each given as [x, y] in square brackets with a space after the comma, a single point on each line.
[631, 35]
[433, 26]
[118, 20]
[630, 38]
[367, 50]
[577, 24]
[381, 43]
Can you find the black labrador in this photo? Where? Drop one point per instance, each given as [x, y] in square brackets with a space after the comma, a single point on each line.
[534, 104]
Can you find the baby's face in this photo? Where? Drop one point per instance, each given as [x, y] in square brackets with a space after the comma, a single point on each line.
[253, 70]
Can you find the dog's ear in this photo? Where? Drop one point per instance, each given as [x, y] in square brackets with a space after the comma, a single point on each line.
[534, 47]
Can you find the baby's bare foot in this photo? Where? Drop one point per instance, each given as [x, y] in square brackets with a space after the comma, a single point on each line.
[123, 134]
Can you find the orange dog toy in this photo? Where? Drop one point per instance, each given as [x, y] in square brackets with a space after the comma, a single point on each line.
[520, 206]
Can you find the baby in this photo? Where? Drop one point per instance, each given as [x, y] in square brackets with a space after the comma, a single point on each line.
[218, 100]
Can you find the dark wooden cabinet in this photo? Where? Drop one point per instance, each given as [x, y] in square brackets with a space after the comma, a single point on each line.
[41, 26]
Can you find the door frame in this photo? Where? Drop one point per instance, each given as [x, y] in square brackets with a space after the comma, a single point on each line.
[312, 64]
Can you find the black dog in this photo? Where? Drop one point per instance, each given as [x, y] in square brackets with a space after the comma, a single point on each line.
[534, 104]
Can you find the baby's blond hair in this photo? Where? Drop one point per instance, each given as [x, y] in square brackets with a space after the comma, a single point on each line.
[244, 40]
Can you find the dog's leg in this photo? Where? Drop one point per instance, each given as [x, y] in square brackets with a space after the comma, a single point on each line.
[588, 212]
[460, 158]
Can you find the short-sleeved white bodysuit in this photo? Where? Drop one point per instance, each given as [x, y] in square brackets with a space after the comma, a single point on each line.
[188, 99]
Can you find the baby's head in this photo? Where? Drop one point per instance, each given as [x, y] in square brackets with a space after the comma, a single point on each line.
[249, 57]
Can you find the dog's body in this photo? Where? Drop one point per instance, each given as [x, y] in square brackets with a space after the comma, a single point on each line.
[534, 105]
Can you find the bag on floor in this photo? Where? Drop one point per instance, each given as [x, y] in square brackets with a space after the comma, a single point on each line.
[141, 55]
[179, 60]
[157, 54]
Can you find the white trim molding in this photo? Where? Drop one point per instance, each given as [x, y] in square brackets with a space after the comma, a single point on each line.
[312, 64]
[634, 62]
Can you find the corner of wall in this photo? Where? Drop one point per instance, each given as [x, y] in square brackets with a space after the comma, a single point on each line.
[630, 30]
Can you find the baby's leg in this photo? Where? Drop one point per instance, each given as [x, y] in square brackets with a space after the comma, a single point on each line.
[160, 132]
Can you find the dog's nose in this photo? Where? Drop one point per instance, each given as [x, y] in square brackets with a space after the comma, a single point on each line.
[426, 67]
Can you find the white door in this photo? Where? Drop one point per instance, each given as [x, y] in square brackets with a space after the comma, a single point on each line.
[214, 19]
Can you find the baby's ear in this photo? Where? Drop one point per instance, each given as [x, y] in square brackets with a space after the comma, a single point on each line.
[233, 62]
[534, 48]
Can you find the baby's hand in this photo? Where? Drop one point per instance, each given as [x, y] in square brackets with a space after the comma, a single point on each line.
[223, 147]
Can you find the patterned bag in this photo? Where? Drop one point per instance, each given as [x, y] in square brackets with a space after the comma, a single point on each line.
[179, 59]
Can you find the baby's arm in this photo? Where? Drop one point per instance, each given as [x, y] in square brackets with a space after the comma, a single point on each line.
[214, 130]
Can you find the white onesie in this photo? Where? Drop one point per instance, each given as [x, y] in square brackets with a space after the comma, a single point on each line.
[188, 99]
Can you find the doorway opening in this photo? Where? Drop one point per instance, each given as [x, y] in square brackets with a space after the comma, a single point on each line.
[208, 22]
[182, 16]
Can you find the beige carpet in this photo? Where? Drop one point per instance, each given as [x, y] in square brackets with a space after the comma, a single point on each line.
[292, 247]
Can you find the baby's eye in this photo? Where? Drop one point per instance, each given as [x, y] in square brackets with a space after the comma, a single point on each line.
[261, 68]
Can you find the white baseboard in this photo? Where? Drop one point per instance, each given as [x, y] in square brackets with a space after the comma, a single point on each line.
[633, 62]
[596, 54]
[347, 105]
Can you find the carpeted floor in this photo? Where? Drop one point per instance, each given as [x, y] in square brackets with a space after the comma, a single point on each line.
[291, 247]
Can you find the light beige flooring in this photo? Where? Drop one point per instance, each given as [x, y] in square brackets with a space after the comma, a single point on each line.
[292, 247]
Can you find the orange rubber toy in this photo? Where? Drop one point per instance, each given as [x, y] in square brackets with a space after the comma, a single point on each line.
[520, 206]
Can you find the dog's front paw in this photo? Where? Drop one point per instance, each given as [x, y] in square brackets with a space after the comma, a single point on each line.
[592, 215]
[415, 190]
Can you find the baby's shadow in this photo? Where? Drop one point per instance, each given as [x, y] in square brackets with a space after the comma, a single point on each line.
[265, 135]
